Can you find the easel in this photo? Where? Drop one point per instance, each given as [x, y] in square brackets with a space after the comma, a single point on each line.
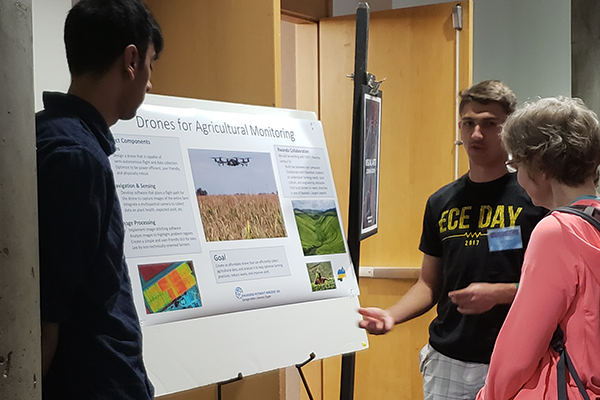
[304, 382]
[311, 357]
[219, 384]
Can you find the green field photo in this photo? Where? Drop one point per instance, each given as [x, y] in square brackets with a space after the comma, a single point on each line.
[319, 227]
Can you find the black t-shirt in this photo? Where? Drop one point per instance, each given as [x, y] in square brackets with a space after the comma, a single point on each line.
[457, 221]
[84, 282]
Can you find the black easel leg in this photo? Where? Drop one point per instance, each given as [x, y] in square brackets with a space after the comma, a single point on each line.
[219, 384]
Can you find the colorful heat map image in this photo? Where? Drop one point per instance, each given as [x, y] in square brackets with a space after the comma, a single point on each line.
[169, 286]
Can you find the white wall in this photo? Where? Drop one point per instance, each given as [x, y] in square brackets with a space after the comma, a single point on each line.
[49, 60]
[526, 45]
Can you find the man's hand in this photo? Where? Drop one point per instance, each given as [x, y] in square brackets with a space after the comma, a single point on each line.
[376, 321]
[476, 298]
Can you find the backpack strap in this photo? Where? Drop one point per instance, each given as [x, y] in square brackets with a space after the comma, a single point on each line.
[589, 213]
[565, 365]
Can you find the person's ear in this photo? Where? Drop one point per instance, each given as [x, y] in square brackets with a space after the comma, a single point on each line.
[545, 176]
[131, 60]
[538, 177]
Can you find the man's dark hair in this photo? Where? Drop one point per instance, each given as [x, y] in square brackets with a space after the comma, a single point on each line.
[489, 91]
[98, 31]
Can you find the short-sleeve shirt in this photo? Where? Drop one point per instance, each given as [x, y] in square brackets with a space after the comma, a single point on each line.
[459, 219]
[84, 281]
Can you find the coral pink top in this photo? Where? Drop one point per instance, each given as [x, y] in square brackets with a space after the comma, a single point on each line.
[560, 284]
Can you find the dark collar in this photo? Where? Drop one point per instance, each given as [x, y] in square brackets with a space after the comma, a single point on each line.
[67, 105]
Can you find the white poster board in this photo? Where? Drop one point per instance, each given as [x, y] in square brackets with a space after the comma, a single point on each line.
[234, 240]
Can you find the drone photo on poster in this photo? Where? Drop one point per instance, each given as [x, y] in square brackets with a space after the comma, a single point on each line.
[237, 195]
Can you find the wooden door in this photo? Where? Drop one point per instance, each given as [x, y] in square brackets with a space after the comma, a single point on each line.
[230, 51]
[224, 50]
[414, 50]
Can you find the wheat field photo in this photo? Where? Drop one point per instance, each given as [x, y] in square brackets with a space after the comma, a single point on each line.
[237, 195]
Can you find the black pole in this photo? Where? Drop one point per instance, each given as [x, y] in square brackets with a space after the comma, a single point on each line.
[356, 170]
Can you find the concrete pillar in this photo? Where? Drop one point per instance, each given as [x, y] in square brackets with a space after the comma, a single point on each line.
[20, 376]
[585, 51]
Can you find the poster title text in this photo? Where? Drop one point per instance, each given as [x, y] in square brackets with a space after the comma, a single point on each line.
[220, 128]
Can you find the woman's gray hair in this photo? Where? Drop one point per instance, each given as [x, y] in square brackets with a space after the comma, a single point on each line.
[558, 136]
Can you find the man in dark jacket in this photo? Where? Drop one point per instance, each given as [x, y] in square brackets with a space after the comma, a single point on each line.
[91, 337]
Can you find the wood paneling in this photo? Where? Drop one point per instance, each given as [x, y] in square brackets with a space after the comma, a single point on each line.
[307, 67]
[230, 51]
[256, 387]
[413, 49]
[311, 9]
[222, 50]
[300, 64]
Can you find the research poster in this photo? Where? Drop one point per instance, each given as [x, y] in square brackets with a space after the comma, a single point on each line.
[227, 212]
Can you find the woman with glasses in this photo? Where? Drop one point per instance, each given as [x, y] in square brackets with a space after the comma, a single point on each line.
[554, 145]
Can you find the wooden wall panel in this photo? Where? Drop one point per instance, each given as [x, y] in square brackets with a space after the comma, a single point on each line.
[389, 368]
[288, 64]
[224, 50]
[265, 386]
[310, 9]
[230, 51]
[414, 50]
[307, 67]
[299, 64]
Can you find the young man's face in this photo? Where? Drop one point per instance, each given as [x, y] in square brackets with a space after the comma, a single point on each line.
[139, 86]
[480, 126]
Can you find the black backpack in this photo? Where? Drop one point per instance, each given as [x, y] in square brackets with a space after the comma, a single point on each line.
[592, 215]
